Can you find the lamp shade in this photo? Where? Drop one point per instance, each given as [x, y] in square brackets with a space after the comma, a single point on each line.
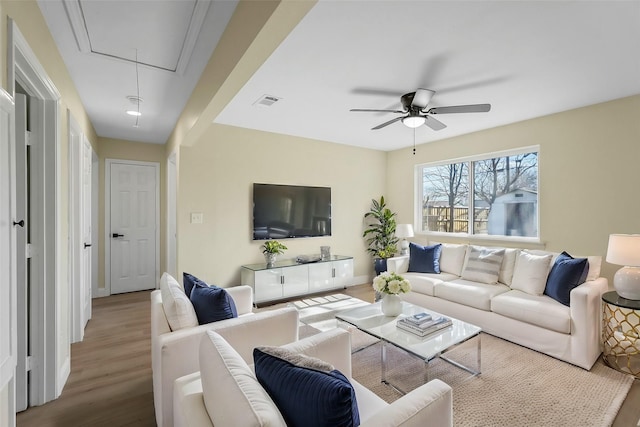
[624, 249]
[404, 230]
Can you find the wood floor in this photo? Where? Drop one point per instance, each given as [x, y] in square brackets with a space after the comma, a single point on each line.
[110, 380]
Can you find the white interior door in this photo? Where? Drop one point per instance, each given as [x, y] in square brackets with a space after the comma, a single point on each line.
[22, 312]
[86, 231]
[133, 225]
[8, 301]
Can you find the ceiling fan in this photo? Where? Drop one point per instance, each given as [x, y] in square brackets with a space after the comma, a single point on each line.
[415, 112]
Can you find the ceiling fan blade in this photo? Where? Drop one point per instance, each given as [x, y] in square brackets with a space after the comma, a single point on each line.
[377, 111]
[474, 108]
[421, 98]
[433, 123]
[388, 123]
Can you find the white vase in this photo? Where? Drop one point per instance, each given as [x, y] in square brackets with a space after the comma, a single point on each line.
[391, 305]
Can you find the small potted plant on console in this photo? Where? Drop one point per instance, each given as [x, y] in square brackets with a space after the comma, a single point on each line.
[271, 249]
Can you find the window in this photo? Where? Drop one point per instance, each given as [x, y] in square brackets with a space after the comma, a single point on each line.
[495, 196]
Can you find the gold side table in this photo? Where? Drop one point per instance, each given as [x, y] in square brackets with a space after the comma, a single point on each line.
[621, 333]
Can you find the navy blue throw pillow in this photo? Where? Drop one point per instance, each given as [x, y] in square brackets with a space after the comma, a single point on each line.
[189, 281]
[567, 273]
[307, 397]
[212, 303]
[424, 259]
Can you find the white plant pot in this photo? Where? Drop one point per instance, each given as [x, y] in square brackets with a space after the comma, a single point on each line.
[391, 305]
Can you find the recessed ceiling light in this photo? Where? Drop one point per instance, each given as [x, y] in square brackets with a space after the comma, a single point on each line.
[134, 113]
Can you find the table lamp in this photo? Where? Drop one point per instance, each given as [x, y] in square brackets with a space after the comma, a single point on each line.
[624, 249]
[402, 232]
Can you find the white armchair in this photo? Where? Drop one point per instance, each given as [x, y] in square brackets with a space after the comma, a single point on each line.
[175, 353]
[428, 405]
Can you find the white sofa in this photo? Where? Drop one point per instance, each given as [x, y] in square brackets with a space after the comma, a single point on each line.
[175, 353]
[570, 333]
[195, 394]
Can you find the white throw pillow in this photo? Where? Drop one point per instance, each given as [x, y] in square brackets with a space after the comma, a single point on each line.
[483, 265]
[177, 306]
[452, 258]
[508, 265]
[231, 393]
[530, 274]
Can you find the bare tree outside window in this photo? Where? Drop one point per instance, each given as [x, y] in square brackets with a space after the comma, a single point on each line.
[446, 190]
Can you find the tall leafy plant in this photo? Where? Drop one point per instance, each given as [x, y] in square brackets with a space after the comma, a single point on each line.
[380, 232]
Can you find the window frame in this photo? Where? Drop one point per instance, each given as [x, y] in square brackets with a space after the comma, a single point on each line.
[418, 197]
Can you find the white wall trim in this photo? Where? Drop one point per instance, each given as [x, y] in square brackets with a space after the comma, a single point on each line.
[24, 67]
[107, 217]
[171, 249]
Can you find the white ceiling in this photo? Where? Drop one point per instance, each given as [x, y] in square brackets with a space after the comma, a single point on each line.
[526, 58]
[99, 40]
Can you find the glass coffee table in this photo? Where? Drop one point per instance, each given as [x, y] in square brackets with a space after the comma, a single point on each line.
[370, 320]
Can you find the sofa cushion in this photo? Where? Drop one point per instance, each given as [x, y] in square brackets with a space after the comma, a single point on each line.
[452, 258]
[231, 393]
[423, 283]
[483, 264]
[472, 294]
[508, 265]
[189, 281]
[530, 274]
[306, 396]
[424, 259]
[595, 262]
[212, 304]
[539, 310]
[177, 307]
[567, 273]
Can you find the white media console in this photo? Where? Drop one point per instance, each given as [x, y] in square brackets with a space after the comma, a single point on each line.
[287, 278]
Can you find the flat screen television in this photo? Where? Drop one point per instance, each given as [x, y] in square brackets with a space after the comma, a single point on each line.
[287, 211]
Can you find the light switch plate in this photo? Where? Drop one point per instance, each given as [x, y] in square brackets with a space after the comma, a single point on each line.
[197, 217]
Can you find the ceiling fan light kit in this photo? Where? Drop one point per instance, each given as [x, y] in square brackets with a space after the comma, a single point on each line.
[413, 121]
[416, 114]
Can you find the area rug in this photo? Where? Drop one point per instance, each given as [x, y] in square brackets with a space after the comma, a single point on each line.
[517, 387]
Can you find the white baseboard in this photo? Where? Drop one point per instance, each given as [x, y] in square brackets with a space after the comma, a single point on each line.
[63, 376]
[102, 292]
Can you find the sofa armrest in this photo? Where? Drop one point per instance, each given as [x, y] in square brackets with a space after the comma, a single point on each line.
[332, 346]
[243, 298]
[430, 404]
[586, 323]
[188, 403]
[398, 264]
[175, 354]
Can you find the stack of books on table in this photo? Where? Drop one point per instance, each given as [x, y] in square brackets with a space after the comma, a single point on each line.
[423, 324]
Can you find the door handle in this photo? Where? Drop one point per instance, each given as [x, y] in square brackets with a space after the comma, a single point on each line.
[87, 245]
[115, 235]
[20, 223]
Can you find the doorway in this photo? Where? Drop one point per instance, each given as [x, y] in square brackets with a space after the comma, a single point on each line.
[132, 218]
[47, 359]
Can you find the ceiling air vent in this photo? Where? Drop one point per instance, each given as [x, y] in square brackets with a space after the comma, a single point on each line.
[266, 101]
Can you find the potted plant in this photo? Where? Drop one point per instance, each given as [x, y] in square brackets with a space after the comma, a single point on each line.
[380, 233]
[271, 249]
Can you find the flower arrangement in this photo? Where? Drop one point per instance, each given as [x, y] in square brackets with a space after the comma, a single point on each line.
[391, 283]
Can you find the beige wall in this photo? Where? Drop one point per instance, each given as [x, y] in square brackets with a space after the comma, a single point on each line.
[216, 177]
[588, 172]
[127, 150]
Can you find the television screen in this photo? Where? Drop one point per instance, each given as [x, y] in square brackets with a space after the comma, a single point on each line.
[286, 211]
